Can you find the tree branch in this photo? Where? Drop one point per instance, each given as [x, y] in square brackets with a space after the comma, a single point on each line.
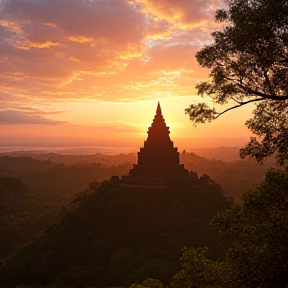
[263, 95]
[241, 104]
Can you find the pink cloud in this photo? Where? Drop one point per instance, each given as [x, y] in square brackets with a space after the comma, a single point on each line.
[97, 49]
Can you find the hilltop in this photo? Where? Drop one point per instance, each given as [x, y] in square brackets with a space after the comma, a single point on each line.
[113, 235]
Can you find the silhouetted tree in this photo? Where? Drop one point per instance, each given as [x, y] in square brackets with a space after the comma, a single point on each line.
[248, 61]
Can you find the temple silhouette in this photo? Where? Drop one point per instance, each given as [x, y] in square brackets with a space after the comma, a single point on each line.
[158, 157]
[158, 160]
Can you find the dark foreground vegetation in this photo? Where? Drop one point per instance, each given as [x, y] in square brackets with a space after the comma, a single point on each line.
[254, 234]
[112, 235]
[21, 215]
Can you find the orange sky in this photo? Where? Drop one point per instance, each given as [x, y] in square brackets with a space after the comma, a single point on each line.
[90, 72]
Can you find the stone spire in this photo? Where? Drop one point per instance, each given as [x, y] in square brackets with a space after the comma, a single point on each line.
[158, 133]
[158, 111]
[158, 157]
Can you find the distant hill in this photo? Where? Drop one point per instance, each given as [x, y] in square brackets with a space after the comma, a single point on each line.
[57, 182]
[112, 236]
[226, 154]
[72, 159]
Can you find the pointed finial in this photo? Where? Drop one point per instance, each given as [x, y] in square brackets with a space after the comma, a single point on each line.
[158, 111]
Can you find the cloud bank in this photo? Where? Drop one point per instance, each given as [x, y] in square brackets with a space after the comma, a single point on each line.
[100, 50]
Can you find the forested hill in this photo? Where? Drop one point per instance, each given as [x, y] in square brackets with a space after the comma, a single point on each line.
[115, 235]
[57, 182]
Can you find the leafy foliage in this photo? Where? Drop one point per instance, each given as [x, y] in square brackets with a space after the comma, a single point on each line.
[196, 269]
[254, 234]
[248, 61]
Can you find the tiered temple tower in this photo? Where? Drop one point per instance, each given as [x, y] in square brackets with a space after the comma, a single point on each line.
[158, 157]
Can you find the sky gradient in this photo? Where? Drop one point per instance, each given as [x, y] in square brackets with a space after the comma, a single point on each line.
[90, 72]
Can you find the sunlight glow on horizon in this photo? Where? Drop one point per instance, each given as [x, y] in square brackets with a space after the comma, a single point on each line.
[96, 79]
